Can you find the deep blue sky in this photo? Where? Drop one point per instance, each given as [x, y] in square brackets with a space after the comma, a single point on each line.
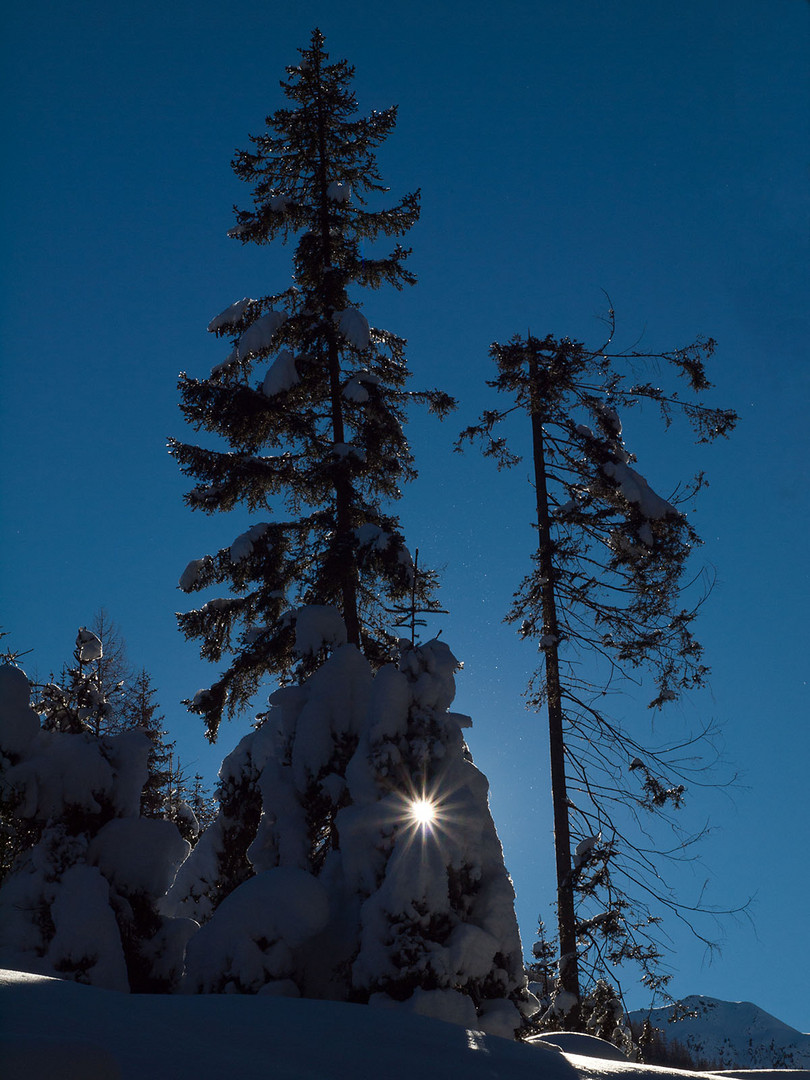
[658, 151]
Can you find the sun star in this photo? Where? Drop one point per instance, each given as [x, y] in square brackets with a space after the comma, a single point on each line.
[423, 812]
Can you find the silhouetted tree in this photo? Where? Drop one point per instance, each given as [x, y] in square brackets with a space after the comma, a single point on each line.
[311, 403]
[609, 582]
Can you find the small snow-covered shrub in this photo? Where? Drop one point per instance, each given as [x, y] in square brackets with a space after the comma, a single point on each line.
[250, 944]
[81, 901]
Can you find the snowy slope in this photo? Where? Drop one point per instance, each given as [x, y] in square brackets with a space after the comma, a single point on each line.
[735, 1034]
[58, 1030]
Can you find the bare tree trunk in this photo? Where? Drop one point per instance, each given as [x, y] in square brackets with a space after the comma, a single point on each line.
[566, 919]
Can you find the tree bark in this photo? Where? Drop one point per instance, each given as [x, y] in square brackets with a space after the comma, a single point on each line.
[348, 568]
[566, 919]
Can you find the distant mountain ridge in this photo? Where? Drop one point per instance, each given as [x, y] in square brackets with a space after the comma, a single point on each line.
[731, 1034]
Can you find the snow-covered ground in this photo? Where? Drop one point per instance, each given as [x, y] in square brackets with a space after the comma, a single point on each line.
[57, 1030]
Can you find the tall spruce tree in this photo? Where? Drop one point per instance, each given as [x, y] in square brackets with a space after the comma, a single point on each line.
[311, 402]
[307, 881]
[609, 583]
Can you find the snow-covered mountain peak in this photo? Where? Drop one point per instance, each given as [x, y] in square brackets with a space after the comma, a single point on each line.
[742, 1016]
[731, 1034]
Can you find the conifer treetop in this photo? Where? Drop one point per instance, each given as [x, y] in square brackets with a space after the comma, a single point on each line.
[311, 403]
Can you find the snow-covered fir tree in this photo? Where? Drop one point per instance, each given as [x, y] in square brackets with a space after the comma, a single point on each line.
[102, 694]
[78, 701]
[311, 402]
[314, 878]
[412, 907]
[80, 901]
[438, 932]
